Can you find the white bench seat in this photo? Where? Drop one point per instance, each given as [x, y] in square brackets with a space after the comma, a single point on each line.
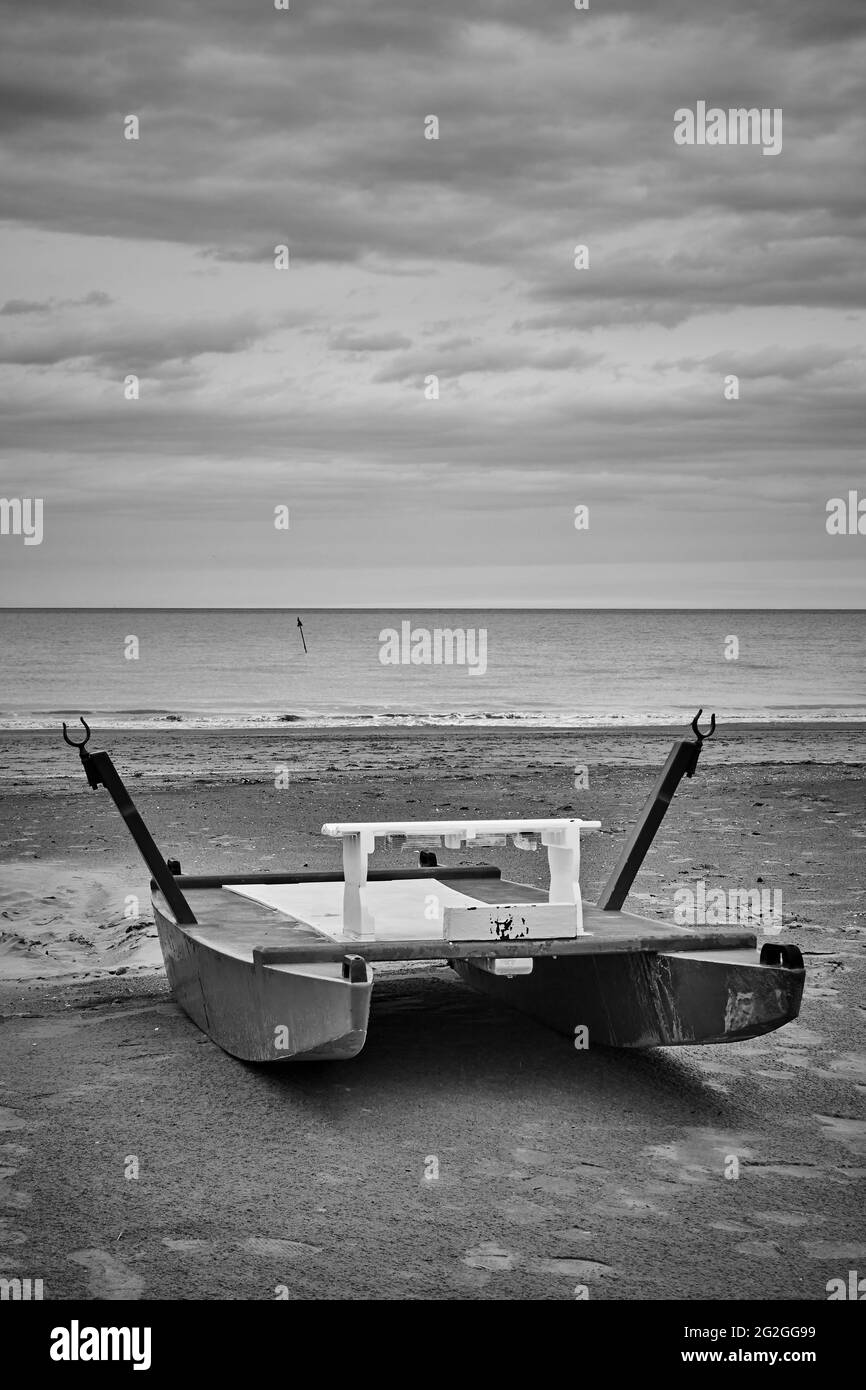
[560, 835]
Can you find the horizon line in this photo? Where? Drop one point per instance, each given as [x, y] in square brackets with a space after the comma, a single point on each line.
[420, 607]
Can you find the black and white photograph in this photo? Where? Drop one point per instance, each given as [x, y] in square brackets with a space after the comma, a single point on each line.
[433, 666]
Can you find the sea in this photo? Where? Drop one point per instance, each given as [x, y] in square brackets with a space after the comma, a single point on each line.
[539, 668]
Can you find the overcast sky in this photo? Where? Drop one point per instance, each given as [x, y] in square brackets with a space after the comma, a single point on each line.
[410, 257]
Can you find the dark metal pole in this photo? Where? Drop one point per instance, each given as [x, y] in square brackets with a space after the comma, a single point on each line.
[102, 772]
[682, 761]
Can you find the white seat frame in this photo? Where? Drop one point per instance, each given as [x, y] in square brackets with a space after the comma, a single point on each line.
[560, 836]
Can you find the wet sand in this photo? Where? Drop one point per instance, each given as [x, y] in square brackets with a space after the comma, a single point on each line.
[556, 1169]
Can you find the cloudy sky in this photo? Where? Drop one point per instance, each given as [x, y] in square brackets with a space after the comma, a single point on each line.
[411, 257]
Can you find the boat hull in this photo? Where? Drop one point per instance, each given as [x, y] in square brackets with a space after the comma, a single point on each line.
[266, 1013]
[651, 999]
[267, 988]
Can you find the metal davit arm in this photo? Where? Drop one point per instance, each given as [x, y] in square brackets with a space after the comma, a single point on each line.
[101, 772]
[682, 761]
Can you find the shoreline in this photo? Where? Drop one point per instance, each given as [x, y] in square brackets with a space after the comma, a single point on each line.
[748, 726]
[497, 724]
[178, 757]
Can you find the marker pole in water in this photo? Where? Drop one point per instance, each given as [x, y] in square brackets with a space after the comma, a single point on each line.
[301, 629]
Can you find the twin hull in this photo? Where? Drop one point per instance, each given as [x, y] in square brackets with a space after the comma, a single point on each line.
[265, 1014]
[270, 1013]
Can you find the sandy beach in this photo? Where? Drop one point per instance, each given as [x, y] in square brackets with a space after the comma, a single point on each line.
[556, 1169]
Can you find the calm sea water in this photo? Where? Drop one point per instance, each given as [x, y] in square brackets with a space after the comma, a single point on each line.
[233, 668]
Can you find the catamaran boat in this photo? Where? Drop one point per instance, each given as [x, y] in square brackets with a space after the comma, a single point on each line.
[280, 967]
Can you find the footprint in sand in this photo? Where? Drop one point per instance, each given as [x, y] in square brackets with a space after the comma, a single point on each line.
[797, 1036]
[759, 1249]
[565, 1182]
[108, 1277]
[553, 1186]
[624, 1202]
[531, 1158]
[10, 1237]
[786, 1218]
[279, 1249]
[824, 974]
[833, 1250]
[799, 1171]
[851, 1066]
[522, 1212]
[12, 1199]
[702, 1155]
[496, 1260]
[851, 1133]
[10, 1240]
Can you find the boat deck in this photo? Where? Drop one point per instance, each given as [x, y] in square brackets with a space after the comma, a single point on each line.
[232, 922]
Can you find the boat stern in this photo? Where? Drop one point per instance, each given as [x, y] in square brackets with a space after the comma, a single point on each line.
[266, 1012]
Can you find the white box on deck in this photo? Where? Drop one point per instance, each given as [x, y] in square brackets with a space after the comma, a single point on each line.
[512, 922]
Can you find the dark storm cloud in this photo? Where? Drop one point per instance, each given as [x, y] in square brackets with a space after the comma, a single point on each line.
[727, 272]
[306, 247]
[347, 341]
[464, 357]
[791, 364]
[96, 299]
[26, 306]
[258, 127]
[401, 23]
[132, 346]
[23, 104]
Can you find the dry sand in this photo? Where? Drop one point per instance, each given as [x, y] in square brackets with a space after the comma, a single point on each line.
[556, 1168]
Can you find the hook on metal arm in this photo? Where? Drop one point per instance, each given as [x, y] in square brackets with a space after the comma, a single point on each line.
[87, 759]
[101, 772]
[697, 732]
[682, 761]
[82, 743]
